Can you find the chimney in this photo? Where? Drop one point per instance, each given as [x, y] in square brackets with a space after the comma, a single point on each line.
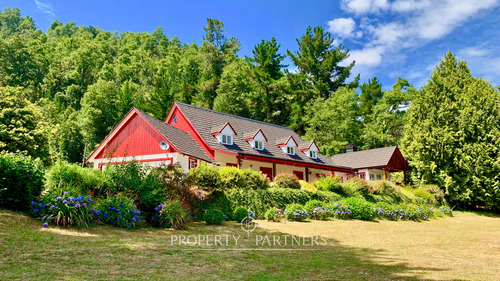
[350, 148]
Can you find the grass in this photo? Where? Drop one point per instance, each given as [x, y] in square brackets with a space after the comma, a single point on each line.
[464, 247]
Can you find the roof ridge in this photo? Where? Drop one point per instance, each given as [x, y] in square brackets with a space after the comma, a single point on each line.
[354, 152]
[235, 116]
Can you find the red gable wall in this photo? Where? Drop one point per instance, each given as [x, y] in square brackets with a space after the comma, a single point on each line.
[184, 124]
[135, 138]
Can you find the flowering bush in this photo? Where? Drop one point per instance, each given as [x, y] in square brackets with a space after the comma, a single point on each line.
[295, 212]
[214, 216]
[317, 210]
[275, 215]
[117, 210]
[360, 208]
[340, 211]
[171, 214]
[63, 209]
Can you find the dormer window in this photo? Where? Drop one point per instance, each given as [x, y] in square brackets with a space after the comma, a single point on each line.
[259, 145]
[313, 154]
[227, 139]
[310, 149]
[290, 150]
[287, 144]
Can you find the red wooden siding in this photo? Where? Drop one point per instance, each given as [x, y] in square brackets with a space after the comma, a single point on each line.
[268, 172]
[183, 123]
[299, 174]
[135, 138]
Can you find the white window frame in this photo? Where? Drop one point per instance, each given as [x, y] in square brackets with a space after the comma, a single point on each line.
[372, 177]
[290, 150]
[379, 177]
[226, 139]
[259, 145]
[313, 154]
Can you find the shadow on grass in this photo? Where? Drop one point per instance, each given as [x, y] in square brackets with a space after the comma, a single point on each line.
[489, 214]
[30, 252]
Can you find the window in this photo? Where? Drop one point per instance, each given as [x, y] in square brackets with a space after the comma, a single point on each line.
[379, 177]
[372, 177]
[259, 145]
[175, 119]
[312, 154]
[290, 150]
[226, 139]
[192, 163]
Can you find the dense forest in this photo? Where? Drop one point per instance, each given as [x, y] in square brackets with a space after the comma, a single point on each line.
[61, 92]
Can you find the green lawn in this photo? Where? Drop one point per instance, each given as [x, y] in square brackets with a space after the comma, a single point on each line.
[463, 247]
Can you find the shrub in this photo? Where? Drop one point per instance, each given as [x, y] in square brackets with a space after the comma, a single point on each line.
[275, 215]
[118, 210]
[295, 212]
[308, 187]
[385, 188]
[333, 184]
[397, 177]
[64, 208]
[340, 211]
[213, 216]
[206, 178]
[437, 192]
[317, 210]
[240, 213]
[425, 195]
[287, 181]
[255, 180]
[360, 208]
[85, 180]
[232, 177]
[355, 187]
[171, 214]
[21, 181]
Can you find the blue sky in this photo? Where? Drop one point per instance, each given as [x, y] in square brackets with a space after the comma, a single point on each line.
[388, 39]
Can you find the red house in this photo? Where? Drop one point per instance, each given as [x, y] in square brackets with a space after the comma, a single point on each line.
[192, 134]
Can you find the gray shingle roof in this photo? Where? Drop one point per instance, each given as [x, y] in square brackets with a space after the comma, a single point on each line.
[366, 158]
[204, 119]
[180, 139]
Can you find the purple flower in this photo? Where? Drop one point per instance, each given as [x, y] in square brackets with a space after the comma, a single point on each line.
[65, 192]
[156, 209]
[36, 210]
[98, 212]
[72, 203]
[45, 224]
[52, 207]
[59, 198]
[65, 202]
[121, 205]
[33, 203]
[106, 215]
[129, 223]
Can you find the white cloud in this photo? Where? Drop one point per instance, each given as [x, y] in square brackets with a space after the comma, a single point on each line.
[344, 28]
[46, 8]
[393, 26]
[360, 7]
[483, 62]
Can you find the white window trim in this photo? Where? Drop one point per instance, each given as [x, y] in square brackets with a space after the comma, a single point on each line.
[311, 152]
[227, 137]
[259, 145]
[290, 149]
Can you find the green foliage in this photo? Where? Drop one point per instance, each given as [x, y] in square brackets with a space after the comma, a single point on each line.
[424, 194]
[118, 210]
[171, 214]
[317, 210]
[287, 181]
[437, 192]
[255, 180]
[355, 187]
[452, 137]
[340, 211]
[22, 127]
[319, 60]
[275, 215]
[232, 177]
[240, 213]
[295, 212]
[308, 187]
[333, 123]
[213, 216]
[21, 181]
[82, 180]
[397, 177]
[330, 183]
[360, 208]
[206, 178]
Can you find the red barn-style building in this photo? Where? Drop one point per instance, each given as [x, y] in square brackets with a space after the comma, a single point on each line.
[190, 135]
